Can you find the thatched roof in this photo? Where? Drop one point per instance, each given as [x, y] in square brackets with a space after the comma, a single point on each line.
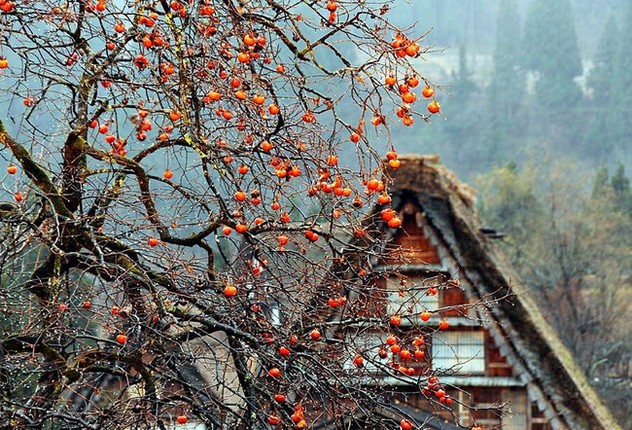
[541, 361]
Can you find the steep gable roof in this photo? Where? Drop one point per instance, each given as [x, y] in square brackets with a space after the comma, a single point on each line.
[552, 377]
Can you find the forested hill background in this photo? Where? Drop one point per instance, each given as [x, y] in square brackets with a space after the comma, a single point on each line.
[524, 79]
[454, 21]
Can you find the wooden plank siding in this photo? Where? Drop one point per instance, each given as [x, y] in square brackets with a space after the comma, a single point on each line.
[475, 404]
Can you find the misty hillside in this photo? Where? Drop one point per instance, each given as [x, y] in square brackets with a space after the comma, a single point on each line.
[535, 85]
[454, 21]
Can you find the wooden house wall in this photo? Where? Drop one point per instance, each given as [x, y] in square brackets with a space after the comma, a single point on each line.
[418, 250]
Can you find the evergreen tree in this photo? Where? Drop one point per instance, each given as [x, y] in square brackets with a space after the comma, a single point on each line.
[551, 50]
[601, 182]
[507, 87]
[620, 183]
[462, 128]
[619, 124]
[621, 186]
[463, 86]
[601, 76]
[598, 138]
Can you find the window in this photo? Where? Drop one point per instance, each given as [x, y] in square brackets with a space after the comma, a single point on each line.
[411, 297]
[459, 351]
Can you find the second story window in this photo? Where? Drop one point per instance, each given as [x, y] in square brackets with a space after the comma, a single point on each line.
[411, 297]
[461, 352]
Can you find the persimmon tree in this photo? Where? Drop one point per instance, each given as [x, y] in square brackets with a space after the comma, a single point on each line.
[181, 177]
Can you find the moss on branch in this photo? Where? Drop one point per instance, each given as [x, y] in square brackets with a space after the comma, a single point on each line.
[35, 172]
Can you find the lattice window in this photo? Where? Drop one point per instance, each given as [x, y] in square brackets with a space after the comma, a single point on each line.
[459, 351]
[412, 297]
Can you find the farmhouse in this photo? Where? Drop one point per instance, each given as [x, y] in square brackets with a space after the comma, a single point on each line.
[502, 365]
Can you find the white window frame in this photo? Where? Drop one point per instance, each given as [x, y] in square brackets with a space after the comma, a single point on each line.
[415, 298]
[459, 351]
